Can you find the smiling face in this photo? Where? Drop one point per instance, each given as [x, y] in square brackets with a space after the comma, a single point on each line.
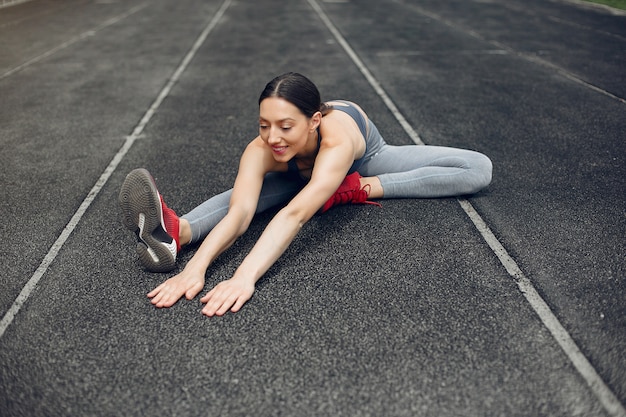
[286, 130]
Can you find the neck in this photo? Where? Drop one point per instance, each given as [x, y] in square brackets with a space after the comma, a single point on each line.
[311, 147]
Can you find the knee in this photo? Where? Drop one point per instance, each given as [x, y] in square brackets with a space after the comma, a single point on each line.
[482, 168]
[486, 169]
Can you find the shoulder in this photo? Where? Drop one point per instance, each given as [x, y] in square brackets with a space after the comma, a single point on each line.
[258, 157]
[340, 103]
[338, 124]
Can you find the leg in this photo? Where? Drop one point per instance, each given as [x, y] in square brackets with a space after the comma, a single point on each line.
[277, 188]
[427, 171]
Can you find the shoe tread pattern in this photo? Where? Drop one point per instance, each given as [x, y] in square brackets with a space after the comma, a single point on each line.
[139, 195]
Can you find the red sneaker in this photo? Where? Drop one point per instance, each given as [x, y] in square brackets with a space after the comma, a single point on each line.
[145, 213]
[349, 192]
[172, 222]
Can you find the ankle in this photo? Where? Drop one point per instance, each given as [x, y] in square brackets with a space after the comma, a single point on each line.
[372, 186]
[184, 232]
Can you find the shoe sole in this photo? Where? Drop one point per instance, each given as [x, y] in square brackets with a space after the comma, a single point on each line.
[142, 214]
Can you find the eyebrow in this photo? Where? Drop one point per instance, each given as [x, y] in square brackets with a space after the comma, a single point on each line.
[287, 119]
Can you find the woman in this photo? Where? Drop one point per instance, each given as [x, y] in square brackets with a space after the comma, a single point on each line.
[308, 154]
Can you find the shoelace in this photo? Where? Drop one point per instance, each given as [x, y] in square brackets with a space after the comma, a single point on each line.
[358, 196]
[366, 190]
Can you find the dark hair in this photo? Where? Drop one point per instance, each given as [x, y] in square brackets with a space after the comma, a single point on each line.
[298, 90]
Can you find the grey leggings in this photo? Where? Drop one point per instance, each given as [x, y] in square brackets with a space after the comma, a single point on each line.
[409, 171]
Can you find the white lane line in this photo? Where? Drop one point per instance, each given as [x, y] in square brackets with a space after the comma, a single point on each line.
[23, 19]
[541, 308]
[563, 338]
[366, 73]
[393, 53]
[585, 27]
[11, 3]
[128, 143]
[584, 4]
[524, 55]
[75, 39]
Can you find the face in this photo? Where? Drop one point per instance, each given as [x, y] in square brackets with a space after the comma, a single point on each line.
[285, 129]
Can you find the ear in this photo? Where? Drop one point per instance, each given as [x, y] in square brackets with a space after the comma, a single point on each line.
[315, 120]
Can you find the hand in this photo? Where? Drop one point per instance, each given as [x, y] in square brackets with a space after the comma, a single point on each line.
[187, 283]
[230, 294]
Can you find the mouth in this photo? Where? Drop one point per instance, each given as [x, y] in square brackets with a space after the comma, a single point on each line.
[279, 150]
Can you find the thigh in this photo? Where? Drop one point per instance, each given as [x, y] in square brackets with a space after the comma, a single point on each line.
[391, 159]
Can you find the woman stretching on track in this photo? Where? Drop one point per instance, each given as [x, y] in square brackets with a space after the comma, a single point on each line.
[308, 154]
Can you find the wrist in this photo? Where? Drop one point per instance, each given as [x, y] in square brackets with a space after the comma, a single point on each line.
[244, 277]
[196, 266]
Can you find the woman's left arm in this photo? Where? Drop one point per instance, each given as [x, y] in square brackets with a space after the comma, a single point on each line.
[331, 165]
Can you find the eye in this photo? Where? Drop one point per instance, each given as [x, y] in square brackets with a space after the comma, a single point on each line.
[286, 127]
[262, 126]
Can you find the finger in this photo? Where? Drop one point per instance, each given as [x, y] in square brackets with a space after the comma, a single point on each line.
[160, 300]
[157, 301]
[230, 302]
[207, 311]
[205, 299]
[156, 290]
[156, 296]
[166, 298]
[211, 307]
[238, 304]
[209, 295]
[212, 300]
[214, 305]
[164, 302]
[192, 292]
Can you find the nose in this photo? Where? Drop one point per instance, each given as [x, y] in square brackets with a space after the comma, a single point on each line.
[274, 137]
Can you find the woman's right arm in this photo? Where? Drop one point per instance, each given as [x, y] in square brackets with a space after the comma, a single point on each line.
[254, 163]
